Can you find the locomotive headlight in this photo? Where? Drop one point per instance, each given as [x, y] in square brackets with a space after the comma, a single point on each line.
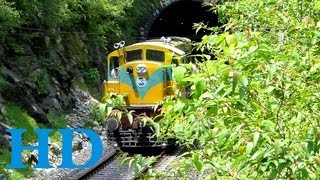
[141, 68]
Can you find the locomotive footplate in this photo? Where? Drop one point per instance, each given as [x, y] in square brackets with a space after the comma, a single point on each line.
[137, 138]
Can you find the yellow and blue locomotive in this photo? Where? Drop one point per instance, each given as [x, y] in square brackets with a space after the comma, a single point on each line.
[142, 74]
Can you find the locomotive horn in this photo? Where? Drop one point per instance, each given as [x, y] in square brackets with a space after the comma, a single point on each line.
[165, 40]
[116, 45]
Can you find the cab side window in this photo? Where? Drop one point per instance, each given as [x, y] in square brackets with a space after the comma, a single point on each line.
[113, 70]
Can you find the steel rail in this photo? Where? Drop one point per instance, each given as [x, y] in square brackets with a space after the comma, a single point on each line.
[87, 173]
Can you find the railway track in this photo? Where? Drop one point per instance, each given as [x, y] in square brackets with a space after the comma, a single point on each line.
[108, 168]
[99, 170]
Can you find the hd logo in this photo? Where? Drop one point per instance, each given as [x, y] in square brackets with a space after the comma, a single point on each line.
[43, 148]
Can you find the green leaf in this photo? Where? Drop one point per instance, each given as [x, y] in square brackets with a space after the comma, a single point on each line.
[130, 163]
[157, 129]
[252, 49]
[130, 118]
[308, 147]
[273, 174]
[244, 81]
[102, 110]
[109, 111]
[119, 115]
[257, 155]
[277, 146]
[314, 68]
[305, 173]
[269, 125]
[317, 5]
[272, 69]
[235, 80]
[219, 89]
[249, 148]
[197, 163]
[231, 40]
[200, 87]
[124, 160]
[242, 92]
[179, 73]
[256, 138]
[178, 106]
[221, 37]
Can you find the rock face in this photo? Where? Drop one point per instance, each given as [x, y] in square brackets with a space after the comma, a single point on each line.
[84, 102]
[40, 76]
[5, 138]
[2, 177]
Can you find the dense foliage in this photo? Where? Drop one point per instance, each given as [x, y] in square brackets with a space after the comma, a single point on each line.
[104, 21]
[254, 110]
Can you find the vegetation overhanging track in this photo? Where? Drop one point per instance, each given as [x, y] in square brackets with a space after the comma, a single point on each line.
[145, 168]
[164, 161]
[109, 166]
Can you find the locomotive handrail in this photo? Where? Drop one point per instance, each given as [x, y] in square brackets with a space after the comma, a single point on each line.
[122, 45]
[164, 81]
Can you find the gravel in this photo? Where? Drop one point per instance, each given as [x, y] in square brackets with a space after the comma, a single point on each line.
[79, 157]
[81, 144]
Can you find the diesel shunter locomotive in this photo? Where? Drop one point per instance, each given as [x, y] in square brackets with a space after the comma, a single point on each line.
[142, 74]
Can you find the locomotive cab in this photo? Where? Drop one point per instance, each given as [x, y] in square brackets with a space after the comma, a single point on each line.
[141, 73]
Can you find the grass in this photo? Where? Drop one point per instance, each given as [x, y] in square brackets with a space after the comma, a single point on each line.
[57, 123]
[17, 174]
[18, 118]
[90, 87]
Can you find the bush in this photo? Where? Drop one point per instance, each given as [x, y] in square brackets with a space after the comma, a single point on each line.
[258, 116]
[9, 18]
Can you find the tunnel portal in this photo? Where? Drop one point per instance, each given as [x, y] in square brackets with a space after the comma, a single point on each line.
[178, 18]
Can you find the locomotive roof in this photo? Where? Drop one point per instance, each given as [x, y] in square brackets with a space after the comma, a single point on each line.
[160, 44]
[178, 45]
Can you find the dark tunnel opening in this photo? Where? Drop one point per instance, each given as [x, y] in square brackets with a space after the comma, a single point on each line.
[178, 20]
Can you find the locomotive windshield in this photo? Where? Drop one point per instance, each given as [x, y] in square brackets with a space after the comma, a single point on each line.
[134, 55]
[155, 55]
